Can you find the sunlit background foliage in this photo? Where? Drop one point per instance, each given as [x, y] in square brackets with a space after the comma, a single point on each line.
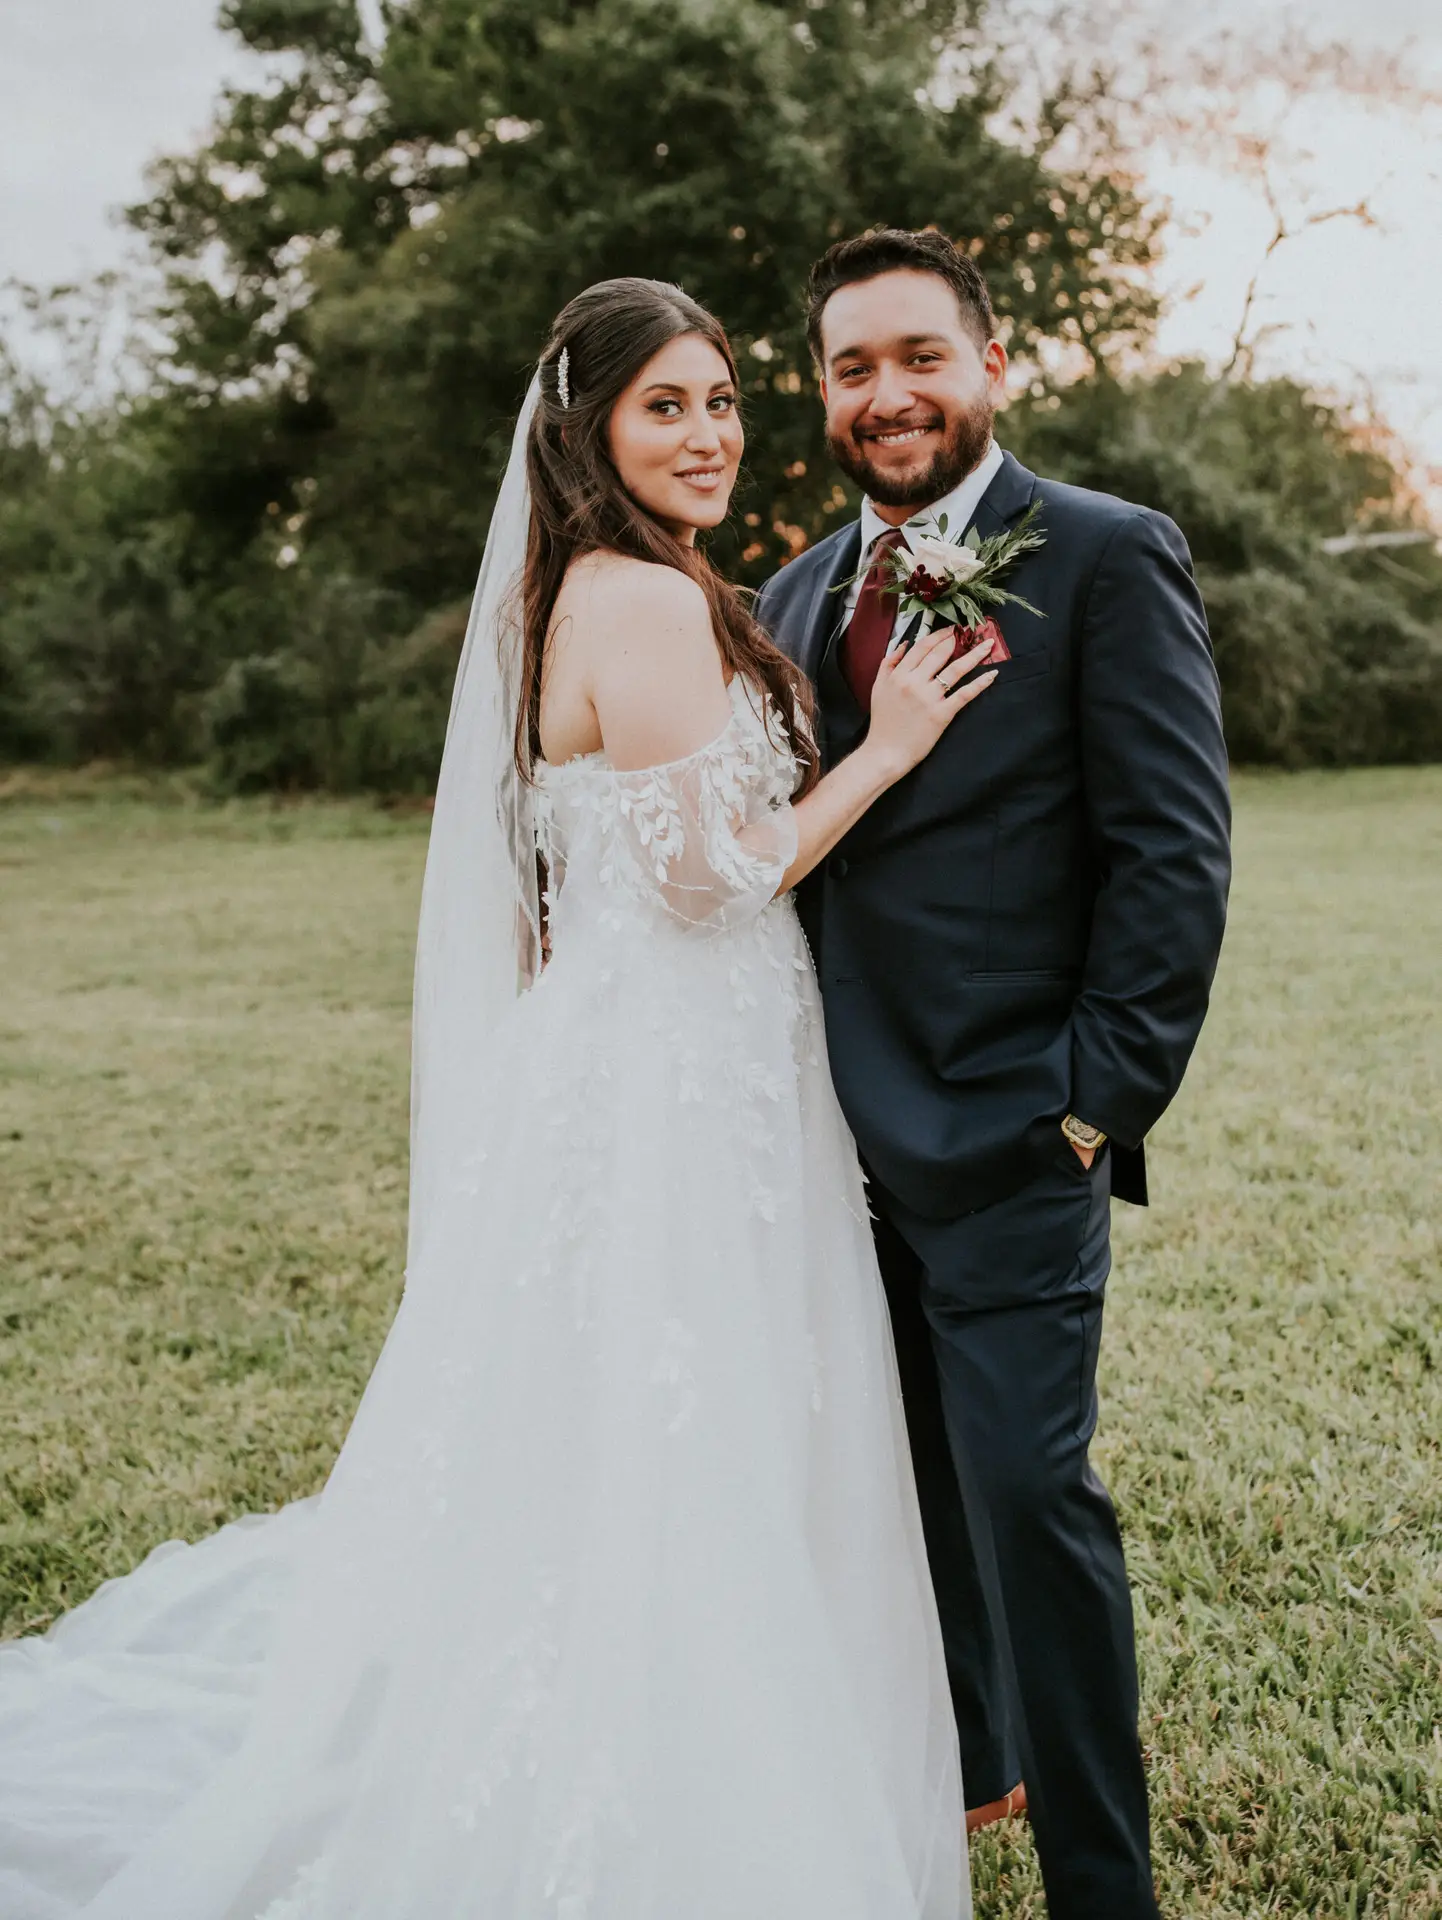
[246, 546]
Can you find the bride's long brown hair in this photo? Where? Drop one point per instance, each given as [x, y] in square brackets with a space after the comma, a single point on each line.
[579, 506]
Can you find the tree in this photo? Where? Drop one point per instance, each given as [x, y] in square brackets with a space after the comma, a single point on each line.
[395, 227]
[261, 551]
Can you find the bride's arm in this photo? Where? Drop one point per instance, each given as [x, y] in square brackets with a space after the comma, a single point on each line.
[916, 697]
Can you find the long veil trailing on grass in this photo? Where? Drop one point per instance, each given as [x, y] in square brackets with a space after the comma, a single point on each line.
[479, 940]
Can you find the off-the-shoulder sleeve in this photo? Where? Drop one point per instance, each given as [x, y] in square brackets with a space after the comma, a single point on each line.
[710, 837]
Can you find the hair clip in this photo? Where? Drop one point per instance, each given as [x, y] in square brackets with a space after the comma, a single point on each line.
[563, 377]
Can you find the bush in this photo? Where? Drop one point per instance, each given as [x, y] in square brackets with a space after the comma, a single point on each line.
[397, 732]
[263, 725]
[354, 712]
[1271, 648]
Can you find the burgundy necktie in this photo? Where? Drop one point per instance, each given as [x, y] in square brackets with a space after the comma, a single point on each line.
[864, 647]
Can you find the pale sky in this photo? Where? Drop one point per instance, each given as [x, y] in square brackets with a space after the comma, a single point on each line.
[91, 89]
[1357, 310]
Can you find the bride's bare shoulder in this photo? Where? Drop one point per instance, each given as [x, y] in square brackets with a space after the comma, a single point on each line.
[619, 618]
[606, 591]
[638, 639]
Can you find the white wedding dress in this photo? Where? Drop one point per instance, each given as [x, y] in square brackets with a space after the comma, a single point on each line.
[616, 1605]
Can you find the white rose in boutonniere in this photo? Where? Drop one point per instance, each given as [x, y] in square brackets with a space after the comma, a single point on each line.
[943, 560]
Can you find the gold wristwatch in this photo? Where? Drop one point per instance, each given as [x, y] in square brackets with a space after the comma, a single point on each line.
[1089, 1139]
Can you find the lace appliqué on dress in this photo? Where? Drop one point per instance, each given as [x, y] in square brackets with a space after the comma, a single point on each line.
[706, 839]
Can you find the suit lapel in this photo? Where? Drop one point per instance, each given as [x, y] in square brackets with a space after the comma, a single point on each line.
[1007, 498]
[823, 616]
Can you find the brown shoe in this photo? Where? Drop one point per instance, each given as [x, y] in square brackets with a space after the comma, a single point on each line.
[994, 1810]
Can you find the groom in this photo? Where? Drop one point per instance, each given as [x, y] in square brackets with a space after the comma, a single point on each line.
[1015, 948]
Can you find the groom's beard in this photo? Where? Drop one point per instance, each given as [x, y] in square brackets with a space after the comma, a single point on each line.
[962, 449]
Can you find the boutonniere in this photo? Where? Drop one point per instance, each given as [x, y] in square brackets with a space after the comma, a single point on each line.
[960, 581]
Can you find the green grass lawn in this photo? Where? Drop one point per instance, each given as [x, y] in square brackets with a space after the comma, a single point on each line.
[202, 1186]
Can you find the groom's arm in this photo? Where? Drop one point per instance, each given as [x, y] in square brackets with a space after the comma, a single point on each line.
[1159, 816]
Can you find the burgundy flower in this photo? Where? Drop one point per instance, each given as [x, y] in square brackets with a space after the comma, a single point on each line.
[924, 586]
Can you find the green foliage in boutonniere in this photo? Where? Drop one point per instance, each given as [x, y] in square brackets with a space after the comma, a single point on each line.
[959, 582]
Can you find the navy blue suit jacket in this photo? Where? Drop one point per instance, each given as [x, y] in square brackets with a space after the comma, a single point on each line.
[1029, 922]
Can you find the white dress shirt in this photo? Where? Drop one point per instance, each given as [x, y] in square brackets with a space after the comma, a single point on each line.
[959, 506]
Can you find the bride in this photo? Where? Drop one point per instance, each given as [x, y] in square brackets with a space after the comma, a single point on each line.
[615, 1606]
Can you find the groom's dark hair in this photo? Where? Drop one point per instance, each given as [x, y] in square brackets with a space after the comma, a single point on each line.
[885, 250]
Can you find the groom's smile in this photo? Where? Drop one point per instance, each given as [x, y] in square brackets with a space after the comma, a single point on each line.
[899, 436]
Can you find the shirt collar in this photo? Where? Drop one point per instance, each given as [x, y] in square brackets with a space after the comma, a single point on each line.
[959, 506]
